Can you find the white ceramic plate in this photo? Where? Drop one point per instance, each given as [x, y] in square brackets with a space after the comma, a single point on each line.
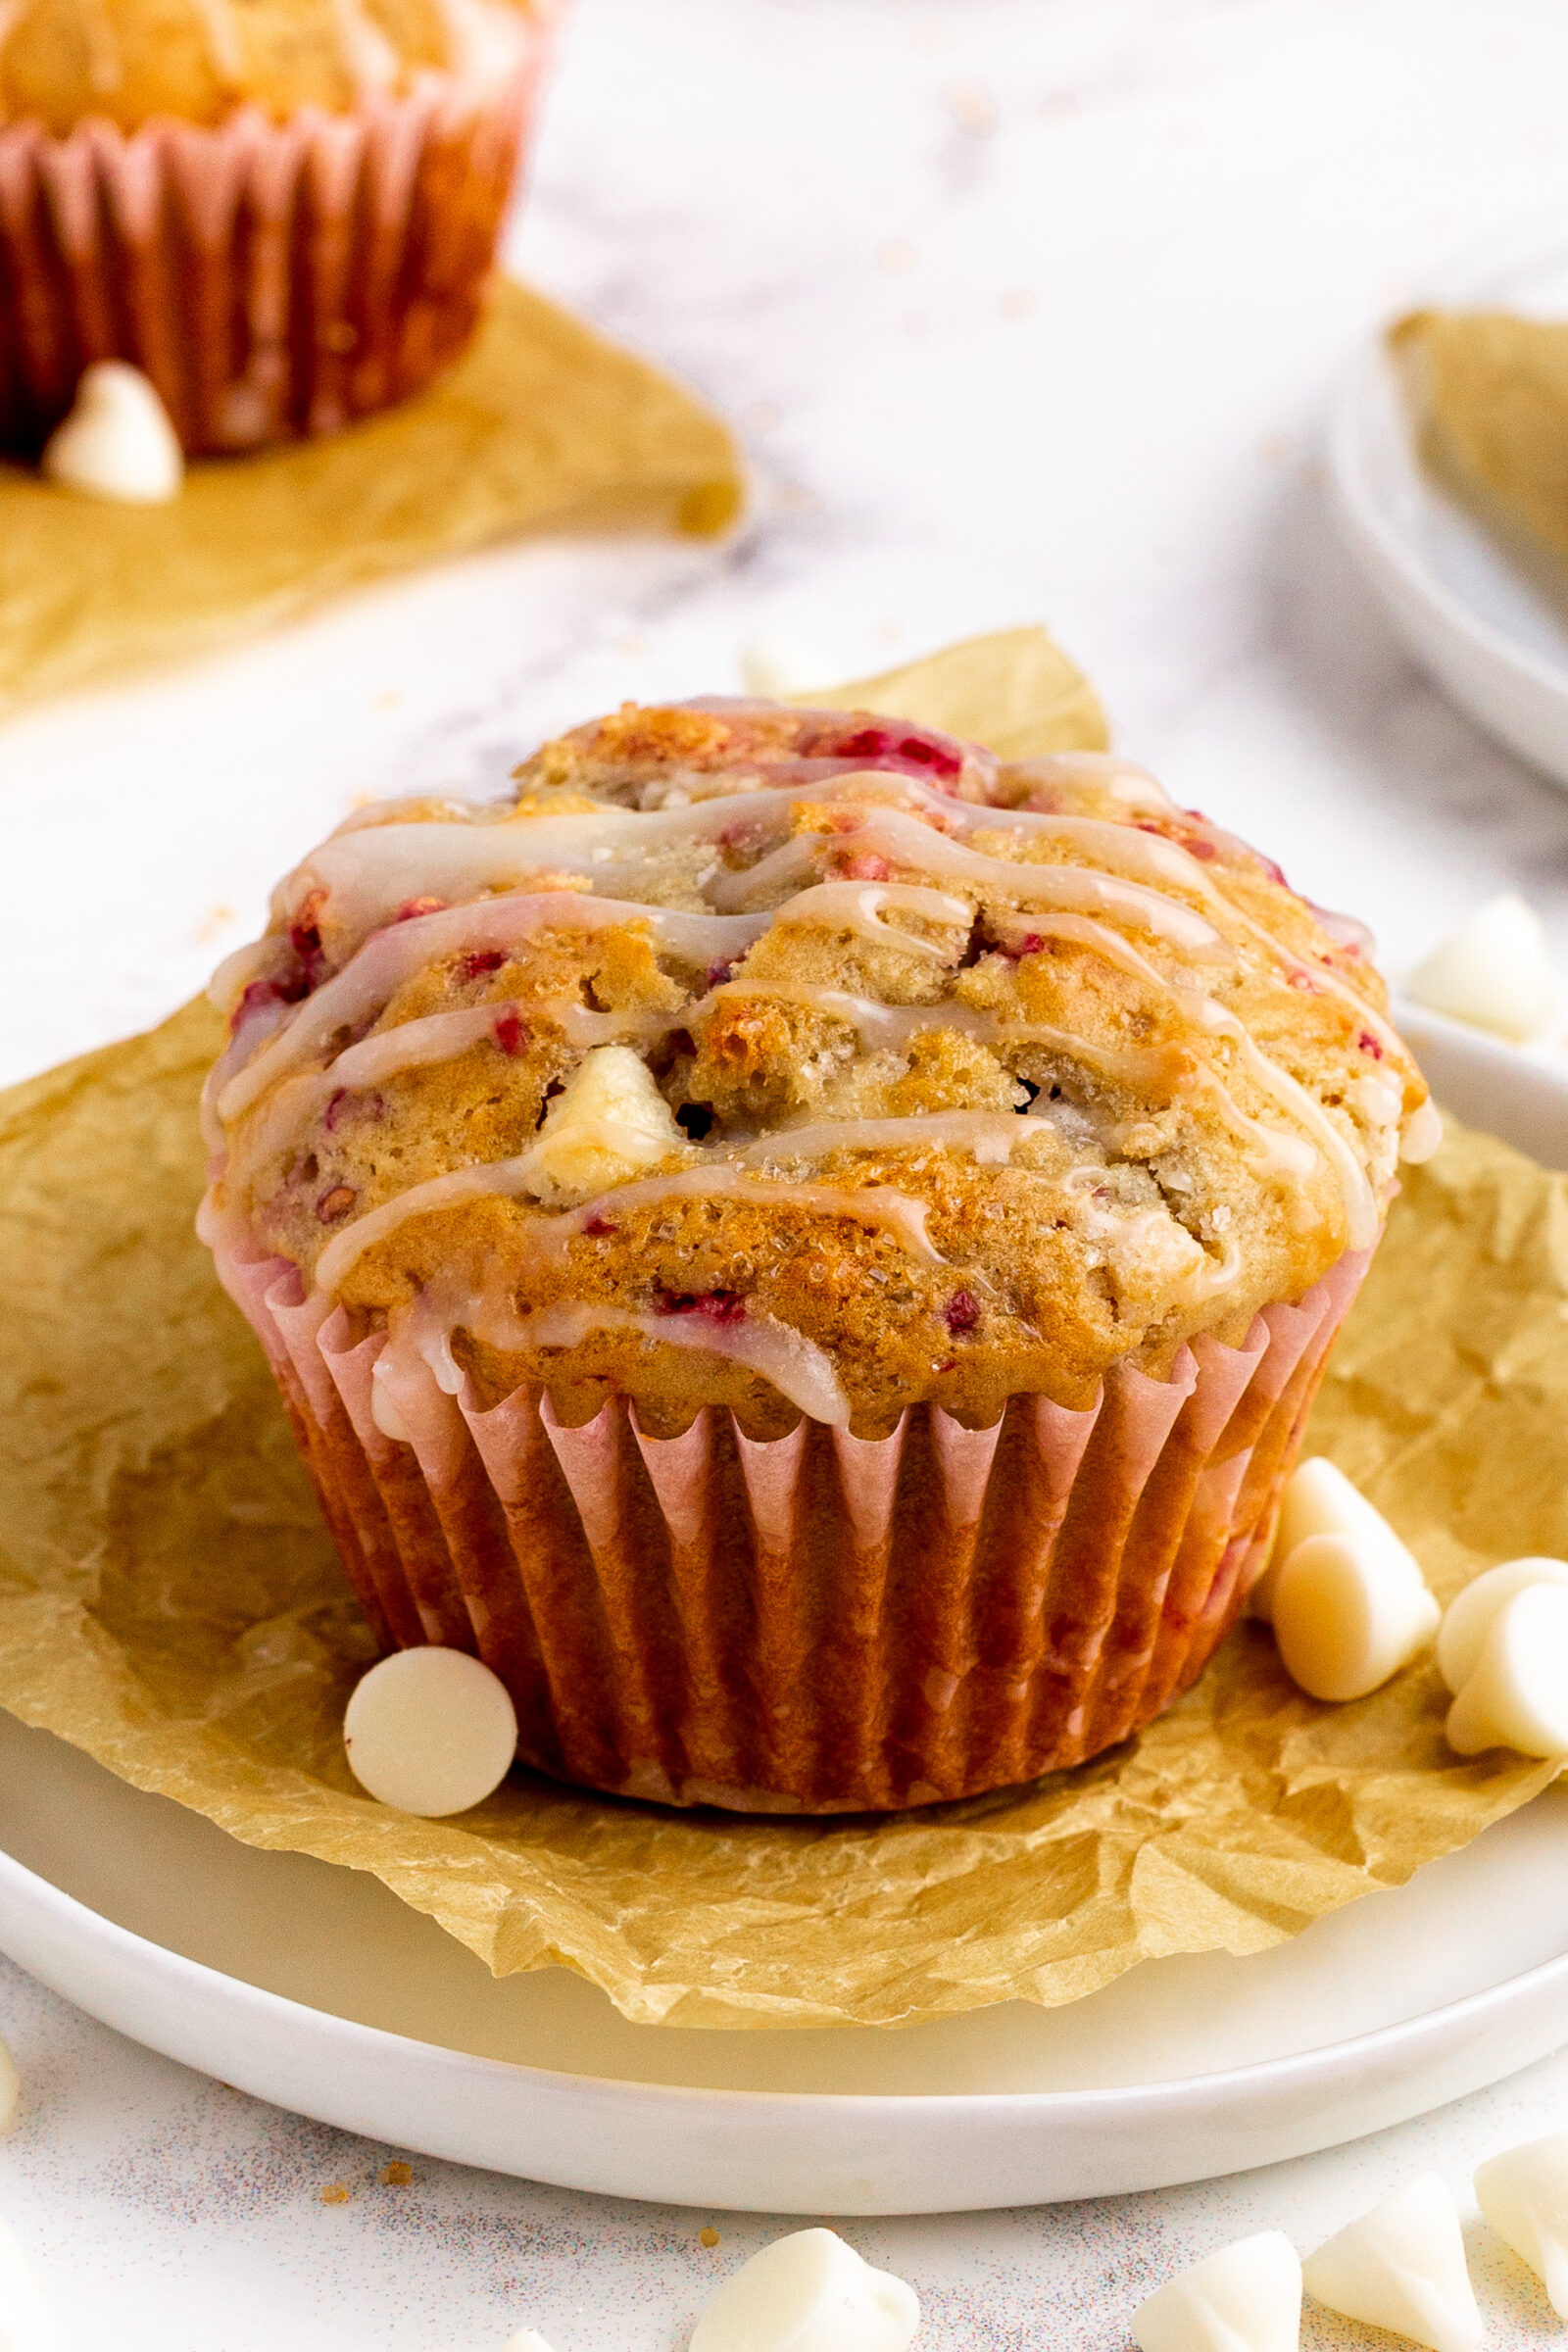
[1469, 614]
[315, 1987]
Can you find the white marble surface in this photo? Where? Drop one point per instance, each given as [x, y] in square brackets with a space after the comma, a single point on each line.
[1026, 308]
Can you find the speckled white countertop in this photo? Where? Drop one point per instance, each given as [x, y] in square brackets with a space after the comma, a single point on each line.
[1026, 308]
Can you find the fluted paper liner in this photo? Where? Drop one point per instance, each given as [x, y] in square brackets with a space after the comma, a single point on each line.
[818, 1623]
[271, 278]
[171, 1602]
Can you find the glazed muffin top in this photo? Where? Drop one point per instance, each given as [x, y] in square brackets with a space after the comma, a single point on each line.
[129, 60]
[801, 1061]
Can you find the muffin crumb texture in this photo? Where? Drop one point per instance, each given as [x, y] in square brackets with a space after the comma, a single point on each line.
[801, 1063]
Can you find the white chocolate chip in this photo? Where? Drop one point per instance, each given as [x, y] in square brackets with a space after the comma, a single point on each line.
[773, 666]
[1422, 1133]
[1319, 1501]
[10, 2088]
[1469, 1616]
[1493, 972]
[609, 1124]
[1248, 2298]
[117, 442]
[1402, 2267]
[808, 2293]
[1517, 1695]
[526, 2339]
[383, 1404]
[430, 1732]
[26, 2322]
[1376, 1100]
[1350, 1611]
[1524, 2195]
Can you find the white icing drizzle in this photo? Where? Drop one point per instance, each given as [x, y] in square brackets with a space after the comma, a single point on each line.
[502, 1178]
[1134, 1238]
[1360, 1201]
[235, 973]
[1288, 1157]
[1133, 787]
[857, 907]
[490, 865]
[990, 1136]
[294, 1104]
[906, 841]
[392, 957]
[795, 1366]
[878, 1205]
[1153, 855]
[372, 868]
[894, 1025]
[1285, 1156]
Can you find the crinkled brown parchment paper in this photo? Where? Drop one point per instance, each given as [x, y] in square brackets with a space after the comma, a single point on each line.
[169, 1603]
[540, 424]
[1015, 690]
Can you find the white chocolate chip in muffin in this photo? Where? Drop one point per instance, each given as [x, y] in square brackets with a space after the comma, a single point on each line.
[1517, 1695]
[1319, 1501]
[117, 442]
[609, 1124]
[1245, 2298]
[1524, 2195]
[808, 2293]
[1348, 1612]
[27, 2319]
[526, 2339]
[430, 1732]
[1402, 2267]
[1493, 972]
[1469, 1616]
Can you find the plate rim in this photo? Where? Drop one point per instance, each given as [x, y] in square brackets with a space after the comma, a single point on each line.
[18, 1877]
[1365, 519]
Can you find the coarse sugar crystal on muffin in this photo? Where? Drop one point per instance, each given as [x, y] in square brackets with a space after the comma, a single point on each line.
[837, 1193]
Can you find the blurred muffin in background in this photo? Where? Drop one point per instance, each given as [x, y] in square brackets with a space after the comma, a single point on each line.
[283, 211]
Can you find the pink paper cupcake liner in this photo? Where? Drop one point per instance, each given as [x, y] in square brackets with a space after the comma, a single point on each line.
[818, 1622]
[274, 280]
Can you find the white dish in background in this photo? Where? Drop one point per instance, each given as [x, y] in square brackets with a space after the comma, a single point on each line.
[315, 1987]
[1471, 616]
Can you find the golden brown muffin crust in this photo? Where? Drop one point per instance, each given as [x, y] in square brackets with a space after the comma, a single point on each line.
[870, 1072]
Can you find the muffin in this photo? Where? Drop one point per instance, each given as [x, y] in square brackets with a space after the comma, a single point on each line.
[807, 1247]
[283, 211]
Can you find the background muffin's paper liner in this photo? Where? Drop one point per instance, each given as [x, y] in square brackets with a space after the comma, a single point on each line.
[170, 1603]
